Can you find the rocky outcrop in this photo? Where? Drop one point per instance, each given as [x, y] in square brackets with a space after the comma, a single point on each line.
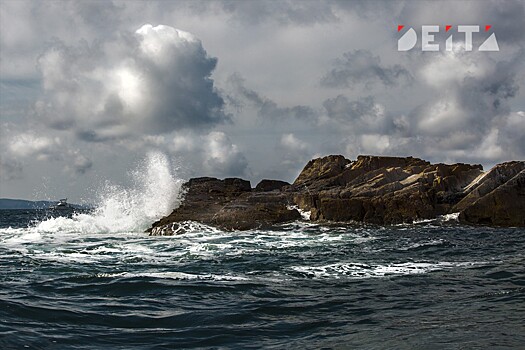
[228, 204]
[488, 182]
[380, 190]
[502, 206]
[383, 190]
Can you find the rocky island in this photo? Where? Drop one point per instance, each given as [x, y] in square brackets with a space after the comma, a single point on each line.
[372, 189]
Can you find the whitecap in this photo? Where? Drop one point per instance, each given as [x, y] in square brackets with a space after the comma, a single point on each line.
[363, 270]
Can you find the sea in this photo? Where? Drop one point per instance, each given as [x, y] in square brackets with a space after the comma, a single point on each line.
[96, 280]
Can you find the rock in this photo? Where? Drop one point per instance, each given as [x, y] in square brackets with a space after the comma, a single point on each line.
[370, 163]
[247, 213]
[204, 196]
[270, 185]
[503, 206]
[228, 204]
[321, 168]
[380, 190]
[487, 182]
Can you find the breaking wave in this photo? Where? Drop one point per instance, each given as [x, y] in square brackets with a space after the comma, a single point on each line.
[155, 192]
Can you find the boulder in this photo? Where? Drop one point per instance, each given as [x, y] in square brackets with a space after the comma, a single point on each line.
[270, 185]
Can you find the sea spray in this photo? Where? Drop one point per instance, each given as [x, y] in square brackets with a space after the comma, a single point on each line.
[155, 192]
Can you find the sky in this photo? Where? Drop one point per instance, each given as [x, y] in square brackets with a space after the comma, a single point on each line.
[250, 89]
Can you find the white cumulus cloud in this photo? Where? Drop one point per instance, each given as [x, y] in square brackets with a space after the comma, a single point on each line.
[153, 81]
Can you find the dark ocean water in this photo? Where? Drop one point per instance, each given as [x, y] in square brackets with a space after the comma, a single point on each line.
[83, 283]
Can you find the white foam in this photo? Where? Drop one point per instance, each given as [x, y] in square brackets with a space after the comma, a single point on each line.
[305, 214]
[185, 227]
[450, 217]
[155, 193]
[175, 275]
[431, 243]
[360, 270]
[422, 221]
[20, 236]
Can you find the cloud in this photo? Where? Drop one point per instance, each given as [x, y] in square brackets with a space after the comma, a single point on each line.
[472, 99]
[21, 148]
[107, 93]
[266, 108]
[375, 144]
[27, 145]
[299, 13]
[213, 153]
[361, 67]
[507, 17]
[363, 115]
[80, 164]
[281, 12]
[295, 153]
[511, 135]
[467, 116]
[222, 156]
[153, 81]
[292, 143]
[10, 168]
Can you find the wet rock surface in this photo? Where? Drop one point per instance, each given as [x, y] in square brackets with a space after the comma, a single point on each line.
[374, 189]
[229, 204]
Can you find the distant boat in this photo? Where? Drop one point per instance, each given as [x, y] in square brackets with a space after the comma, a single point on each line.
[61, 205]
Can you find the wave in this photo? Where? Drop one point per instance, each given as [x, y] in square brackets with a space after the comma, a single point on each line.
[175, 275]
[155, 192]
[362, 270]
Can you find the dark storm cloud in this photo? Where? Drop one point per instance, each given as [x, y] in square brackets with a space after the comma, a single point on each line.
[284, 12]
[361, 67]
[513, 132]
[506, 17]
[363, 115]
[10, 168]
[88, 135]
[155, 81]
[305, 12]
[369, 9]
[98, 13]
[490, 95]
[266, 108]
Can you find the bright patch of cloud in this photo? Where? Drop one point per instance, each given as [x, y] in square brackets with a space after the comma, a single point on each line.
[153, 81]
[292, 143]
[213, 153]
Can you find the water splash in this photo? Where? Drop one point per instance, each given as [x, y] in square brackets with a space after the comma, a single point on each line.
[155, 192]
